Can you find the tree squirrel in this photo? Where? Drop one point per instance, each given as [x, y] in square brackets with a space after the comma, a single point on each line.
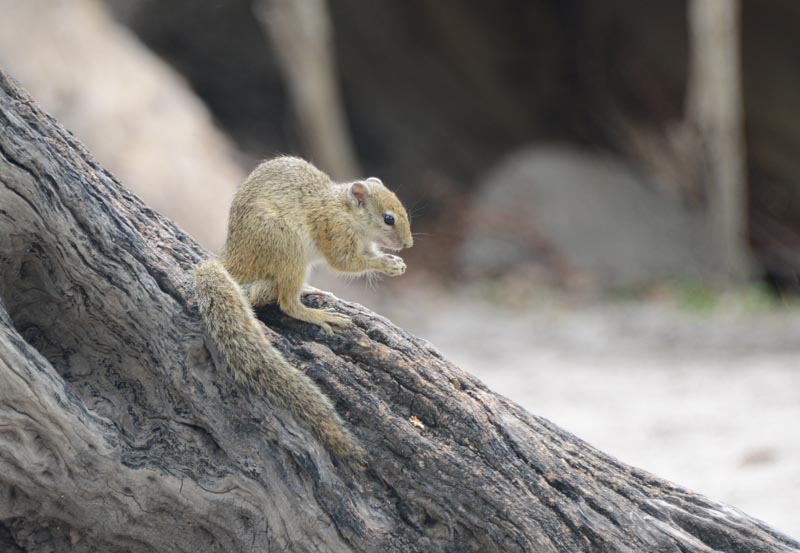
[287, 216]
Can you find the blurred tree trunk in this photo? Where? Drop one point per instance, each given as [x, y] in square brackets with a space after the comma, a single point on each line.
[715, 112]
[301, 32]
[119, 431]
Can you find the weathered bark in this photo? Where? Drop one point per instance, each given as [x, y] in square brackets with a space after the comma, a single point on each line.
[119, 432]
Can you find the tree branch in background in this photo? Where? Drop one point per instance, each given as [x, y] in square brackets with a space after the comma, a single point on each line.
[714, 110]
[302, 35]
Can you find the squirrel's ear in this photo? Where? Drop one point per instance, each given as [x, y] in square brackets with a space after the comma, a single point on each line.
[376, 180]
[358, 194]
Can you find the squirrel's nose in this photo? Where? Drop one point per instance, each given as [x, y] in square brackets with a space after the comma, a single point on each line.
[408, 242]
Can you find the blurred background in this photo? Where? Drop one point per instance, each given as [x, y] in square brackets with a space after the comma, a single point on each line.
[607, 193]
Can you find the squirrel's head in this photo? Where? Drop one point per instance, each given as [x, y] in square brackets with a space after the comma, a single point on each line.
[380, 216]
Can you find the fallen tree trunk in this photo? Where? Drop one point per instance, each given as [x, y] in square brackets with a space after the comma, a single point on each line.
[118, 431]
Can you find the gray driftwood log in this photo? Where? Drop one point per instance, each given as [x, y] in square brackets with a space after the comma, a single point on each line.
[120, 433]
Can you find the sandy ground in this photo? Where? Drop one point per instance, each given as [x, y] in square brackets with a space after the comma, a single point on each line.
[709, 400]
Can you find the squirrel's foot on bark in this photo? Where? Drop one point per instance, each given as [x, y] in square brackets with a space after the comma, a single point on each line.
[330, 318]
[323, 318]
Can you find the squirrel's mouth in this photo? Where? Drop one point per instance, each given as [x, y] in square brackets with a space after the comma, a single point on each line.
[391, 245]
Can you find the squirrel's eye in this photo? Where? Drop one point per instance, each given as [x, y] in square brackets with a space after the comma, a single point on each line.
[388, 219]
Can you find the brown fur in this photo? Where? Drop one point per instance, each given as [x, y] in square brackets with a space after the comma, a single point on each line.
[286, 216]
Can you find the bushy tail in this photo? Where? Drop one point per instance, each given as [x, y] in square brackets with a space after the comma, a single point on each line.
[255, 362]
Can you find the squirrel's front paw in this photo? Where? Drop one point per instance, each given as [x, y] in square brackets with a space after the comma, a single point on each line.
[393, 265]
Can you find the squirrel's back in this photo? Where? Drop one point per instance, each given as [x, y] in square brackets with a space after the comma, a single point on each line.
[287, 181]
[271, 209]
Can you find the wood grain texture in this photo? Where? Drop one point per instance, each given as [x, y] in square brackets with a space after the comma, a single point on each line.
[120, 432]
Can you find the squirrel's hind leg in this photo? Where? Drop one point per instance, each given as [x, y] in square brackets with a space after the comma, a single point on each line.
[260, 292]
[289, 301]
